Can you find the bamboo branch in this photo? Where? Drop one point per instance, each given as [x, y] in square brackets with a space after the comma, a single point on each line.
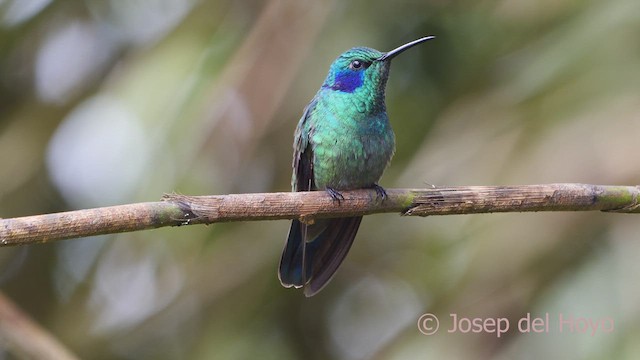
[177, 210]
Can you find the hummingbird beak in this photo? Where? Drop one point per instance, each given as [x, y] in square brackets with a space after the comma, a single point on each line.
[395, 52]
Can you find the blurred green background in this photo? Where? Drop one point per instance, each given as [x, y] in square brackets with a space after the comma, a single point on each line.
[113, 102]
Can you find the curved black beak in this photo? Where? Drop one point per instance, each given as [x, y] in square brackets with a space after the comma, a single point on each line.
[397, 51]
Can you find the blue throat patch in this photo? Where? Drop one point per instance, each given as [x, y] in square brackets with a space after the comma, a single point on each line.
[348, 80]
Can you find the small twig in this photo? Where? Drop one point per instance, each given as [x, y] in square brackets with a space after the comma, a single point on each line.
[26, 338]
[176, 210]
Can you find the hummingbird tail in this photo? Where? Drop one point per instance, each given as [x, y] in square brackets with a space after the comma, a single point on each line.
[331, 241]
[290, 270]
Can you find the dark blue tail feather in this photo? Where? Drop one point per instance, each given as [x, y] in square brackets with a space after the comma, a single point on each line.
[329, 241]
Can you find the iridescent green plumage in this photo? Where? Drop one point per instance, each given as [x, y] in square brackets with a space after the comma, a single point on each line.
[343, 141]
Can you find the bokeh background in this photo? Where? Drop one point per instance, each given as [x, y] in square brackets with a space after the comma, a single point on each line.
[112, 102]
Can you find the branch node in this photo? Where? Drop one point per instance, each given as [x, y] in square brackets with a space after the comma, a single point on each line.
[184, 205]
[307, 219]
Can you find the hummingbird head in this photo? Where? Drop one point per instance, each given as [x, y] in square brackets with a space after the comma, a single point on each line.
[364, 71]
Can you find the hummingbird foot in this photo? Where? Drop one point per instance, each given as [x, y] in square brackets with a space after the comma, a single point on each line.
[335, 195]
[380, 191]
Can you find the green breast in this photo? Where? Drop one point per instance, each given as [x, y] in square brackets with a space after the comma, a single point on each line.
[351, 148]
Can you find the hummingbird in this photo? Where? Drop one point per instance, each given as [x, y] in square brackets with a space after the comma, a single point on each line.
[342, 142]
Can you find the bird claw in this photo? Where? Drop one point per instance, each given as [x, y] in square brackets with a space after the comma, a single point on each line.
[335, 195]
[380, 191]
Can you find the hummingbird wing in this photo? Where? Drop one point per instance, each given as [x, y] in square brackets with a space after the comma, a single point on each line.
[291, 263]
[318, 248]
[302, 165]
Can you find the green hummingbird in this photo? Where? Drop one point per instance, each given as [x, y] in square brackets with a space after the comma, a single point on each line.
[342, 142]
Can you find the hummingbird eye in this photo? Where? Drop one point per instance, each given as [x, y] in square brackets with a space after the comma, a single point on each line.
[358, 64]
